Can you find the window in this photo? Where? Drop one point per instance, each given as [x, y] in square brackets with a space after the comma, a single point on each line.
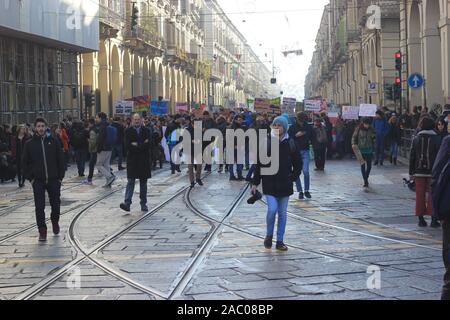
[20, 63]
[31, 64]
[8, 61]
[21, 98]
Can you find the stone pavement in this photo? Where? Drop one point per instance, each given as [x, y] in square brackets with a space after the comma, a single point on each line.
[206, 244]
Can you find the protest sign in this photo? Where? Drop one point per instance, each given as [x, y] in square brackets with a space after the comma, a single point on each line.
[159, 107]
[350, 112]
[367, 110]
[313, 105]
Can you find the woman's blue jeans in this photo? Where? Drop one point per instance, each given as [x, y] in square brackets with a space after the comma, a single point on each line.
[274, 206]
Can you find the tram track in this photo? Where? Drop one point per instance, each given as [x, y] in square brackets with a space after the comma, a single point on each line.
[31, 201]
[198, 256]
[89, 255]
[364, 234]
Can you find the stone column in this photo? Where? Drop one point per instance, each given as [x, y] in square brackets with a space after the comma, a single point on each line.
[444, 26]
[432, 66]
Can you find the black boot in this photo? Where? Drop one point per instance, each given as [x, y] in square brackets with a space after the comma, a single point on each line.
[422, 222]
[268, 242]
[395, 161]
[435, 223]
[42, 234]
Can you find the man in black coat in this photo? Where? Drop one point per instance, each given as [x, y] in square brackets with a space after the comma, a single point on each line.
[44, 166]
[441, 205]
[80, 143]
[137, 140]
[302, 134]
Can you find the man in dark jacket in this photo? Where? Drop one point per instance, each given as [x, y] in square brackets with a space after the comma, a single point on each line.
[441, 204]
[174, 125]
[222, 127]
[137, 139]
[104, 150]
[43, 165]
[208, 123]
[117, 148]
[236, 125]
[80, 143]
[302, 134]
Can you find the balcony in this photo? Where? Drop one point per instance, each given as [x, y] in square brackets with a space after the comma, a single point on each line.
[143, 40]
[110, 20]
[177, 56]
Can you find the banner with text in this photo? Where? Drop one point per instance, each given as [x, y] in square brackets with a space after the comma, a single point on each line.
[313, 105]
[350, 112]
[367, 110]
[159, 108]
[123, 108]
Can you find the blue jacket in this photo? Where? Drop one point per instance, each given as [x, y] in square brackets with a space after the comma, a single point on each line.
[381, 127]
[441, 181]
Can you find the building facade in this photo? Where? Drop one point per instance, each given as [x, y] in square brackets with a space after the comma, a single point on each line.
[349, 57]
[40, 42]
[353, 64]
[237, 73]
[425, 44]
[162, 57]
[182, 51]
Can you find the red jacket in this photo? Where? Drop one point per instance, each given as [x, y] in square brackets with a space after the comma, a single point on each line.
[65, 139]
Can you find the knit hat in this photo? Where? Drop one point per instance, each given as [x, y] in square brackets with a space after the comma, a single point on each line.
[282, 121]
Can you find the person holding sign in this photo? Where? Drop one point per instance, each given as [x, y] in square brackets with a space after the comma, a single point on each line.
[363, 143]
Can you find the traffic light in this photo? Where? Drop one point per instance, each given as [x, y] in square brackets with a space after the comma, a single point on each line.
[398, 61]
[89, 100]
[397, 88]
[134, 16]
[389, 92]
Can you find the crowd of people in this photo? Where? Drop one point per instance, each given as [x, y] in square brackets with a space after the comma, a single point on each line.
[42, 153]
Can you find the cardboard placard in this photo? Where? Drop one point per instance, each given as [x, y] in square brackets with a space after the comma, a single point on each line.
[367, 110]
[313, 105]
[350, 112]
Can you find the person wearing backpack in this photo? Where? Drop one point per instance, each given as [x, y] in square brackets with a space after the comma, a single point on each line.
[441, 203]
[107, 135]
[319, 142]
[279, 187]
[424, 149]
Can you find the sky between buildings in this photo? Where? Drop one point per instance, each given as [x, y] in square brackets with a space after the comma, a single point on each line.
[281, 25]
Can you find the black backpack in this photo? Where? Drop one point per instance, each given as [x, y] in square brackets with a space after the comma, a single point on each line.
[77, 138]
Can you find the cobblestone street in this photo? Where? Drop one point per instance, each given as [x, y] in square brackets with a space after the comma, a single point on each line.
[206, 243]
